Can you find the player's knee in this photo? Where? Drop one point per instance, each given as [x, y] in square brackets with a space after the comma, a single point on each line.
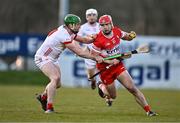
[56, 79]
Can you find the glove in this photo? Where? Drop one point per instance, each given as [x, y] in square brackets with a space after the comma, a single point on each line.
[126, 55]
[132, 35]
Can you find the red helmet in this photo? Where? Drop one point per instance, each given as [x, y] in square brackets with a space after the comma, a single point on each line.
[105, 19]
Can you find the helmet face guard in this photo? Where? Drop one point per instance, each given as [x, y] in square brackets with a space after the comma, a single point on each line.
[74, 28]
[72, 21]
[106, 20]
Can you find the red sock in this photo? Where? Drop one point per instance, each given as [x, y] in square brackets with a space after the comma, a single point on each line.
[49, 106]
[147, 108]
[44, 97]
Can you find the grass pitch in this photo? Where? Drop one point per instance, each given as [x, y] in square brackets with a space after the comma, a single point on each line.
[18, 104]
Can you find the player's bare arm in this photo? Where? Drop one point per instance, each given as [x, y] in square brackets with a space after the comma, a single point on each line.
[113, 61]
[83, 52]
[86, 39]
[129, 36]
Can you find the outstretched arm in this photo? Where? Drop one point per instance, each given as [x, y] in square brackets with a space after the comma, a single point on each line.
[83, 52]
[86, 39]
[129, 36]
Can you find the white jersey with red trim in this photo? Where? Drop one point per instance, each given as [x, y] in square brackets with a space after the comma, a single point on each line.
[85, 30]
[54, 43]
[88, 29]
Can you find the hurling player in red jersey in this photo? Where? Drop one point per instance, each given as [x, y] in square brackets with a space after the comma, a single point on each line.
[107, 44]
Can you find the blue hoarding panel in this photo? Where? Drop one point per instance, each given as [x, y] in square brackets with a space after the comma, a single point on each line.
[20, 44]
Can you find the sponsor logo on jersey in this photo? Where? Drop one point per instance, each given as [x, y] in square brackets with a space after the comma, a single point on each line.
[115, 50]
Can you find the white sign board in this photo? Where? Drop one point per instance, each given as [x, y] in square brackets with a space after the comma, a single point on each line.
[158, 69]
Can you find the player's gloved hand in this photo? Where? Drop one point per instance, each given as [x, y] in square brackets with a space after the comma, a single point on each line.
[94, 36]
[115, 61]
[126, 55]
[99, 59]
[91, 38]
[132, 35]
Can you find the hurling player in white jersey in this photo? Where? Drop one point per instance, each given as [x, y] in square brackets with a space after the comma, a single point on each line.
[89, 28]
[46, 56]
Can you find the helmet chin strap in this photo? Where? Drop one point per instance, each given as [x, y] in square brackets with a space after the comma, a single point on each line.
[75, 32]
[107, 33]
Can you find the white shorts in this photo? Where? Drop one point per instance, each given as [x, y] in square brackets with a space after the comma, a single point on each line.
[40, 61]
[90, 64]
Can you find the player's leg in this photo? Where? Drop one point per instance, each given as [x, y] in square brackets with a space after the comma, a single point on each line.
[91, 70]
[102, 90]
[58, 84]
[112, 90]
[112, 93]
[52, 71]
[107, 91]
[128, 83]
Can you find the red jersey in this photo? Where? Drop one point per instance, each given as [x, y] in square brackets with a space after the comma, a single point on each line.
[107, 47]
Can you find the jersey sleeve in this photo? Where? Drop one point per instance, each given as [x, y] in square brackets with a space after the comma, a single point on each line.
[123, 34]
[119, 32]
[66, 39]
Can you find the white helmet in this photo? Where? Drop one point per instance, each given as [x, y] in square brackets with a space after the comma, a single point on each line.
[91, 11]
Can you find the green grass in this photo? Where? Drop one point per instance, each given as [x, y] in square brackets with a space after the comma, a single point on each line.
[22, 78]
[17, 103]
